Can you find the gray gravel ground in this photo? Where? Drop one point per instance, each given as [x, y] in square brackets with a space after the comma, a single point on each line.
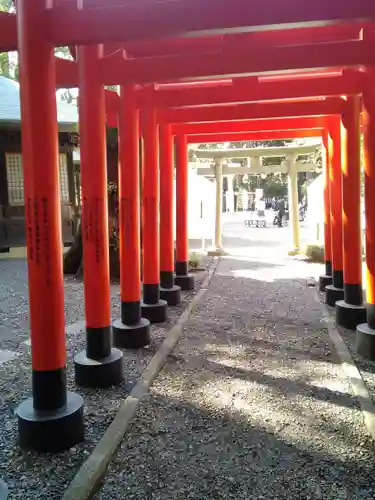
[252, 403]
[28, 475]
[366, 368]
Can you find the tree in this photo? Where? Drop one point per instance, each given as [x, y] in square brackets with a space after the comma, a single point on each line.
[66, 95]
[8, 67]
[273, 184]
[73, 259]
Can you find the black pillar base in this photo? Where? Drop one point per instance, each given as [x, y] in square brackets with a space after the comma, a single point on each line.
[51, 431]
[99, 373]
[333, 294]
[131, 336]
[365, 345]
[328, 266]
[185, 282]
[171, 295]
[349, 315]
[155, 313]
[324, 280]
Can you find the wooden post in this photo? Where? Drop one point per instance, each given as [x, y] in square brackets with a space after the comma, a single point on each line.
[326, 279]
[52, 420]
[107, 368]
[350, 312]
[131, 330]
[183, 279]
[366, 331]
[168, 291]
[335, 291]
[153, 308]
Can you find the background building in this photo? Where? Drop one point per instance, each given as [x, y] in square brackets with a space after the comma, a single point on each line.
[12, 202]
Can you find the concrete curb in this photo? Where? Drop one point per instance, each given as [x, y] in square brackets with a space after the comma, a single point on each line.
[351, 371]
[87, 479]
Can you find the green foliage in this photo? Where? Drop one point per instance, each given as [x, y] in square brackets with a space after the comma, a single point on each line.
[7, 67]
[6, 5]
[314, 253]
[194, 260]
[272, 184]
[63, 52]
[4, 65]
[113, 215]
[66, 95]
[112, 136]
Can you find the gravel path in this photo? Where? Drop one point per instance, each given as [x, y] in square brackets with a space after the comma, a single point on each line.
[252, 403]
[366, 368]
[28, 475]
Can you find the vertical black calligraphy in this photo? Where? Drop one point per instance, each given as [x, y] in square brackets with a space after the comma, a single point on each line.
[93, 215]
[37, 230]
[30, 229]
[127, 220]
[86, 218]
[98, 216]
[46, 238]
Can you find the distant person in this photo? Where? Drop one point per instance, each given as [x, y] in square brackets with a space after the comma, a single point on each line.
[281, 211]
[261, 205]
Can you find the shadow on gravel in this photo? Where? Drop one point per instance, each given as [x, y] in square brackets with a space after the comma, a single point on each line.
[251, 405]
[366, 367]
[179, 450]
[283, 386]
[32, 476]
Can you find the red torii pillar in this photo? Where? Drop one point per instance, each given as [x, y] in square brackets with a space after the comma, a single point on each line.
[107, 368]
[326, 279]
[153, 308]
[168, 291]
[52, 420]
[350, 312]
[183, 279]
[131, 331]
[335, 291]
[366, 331]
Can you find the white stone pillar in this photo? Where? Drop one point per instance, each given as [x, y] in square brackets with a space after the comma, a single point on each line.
[293, 202]
[219, 201]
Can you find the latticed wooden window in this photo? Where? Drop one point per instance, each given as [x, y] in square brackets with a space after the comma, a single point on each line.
[15, 179]
[64, 182]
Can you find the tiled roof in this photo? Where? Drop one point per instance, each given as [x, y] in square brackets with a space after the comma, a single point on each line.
[67, 114]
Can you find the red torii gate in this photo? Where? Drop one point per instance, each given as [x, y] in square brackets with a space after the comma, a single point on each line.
[254, 89]
[68, 17]
[238, 91]
[255, 136]
[266, 125]
[35, 30]
[252, 111]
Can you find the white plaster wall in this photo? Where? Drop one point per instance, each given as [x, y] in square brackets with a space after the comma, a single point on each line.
[315, 213]
[201, 190]
[315, 210]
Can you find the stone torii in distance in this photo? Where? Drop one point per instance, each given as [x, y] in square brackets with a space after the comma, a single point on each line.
[290, 165]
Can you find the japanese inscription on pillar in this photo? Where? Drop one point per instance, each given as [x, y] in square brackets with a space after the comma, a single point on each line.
[93, 215]
[38, 234]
